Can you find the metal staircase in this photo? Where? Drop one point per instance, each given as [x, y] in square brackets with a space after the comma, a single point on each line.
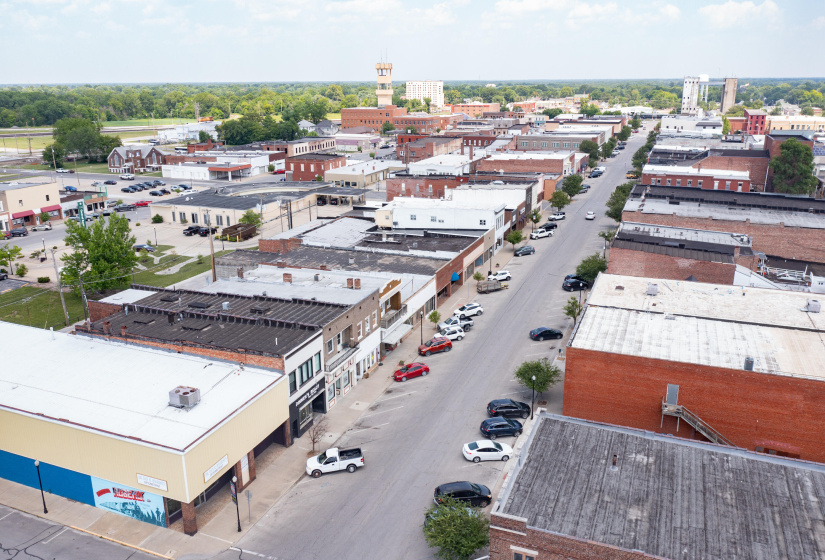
[671, 408]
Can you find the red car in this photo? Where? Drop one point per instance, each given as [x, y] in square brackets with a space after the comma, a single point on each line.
[437, 344]
[142, 203]
[279, 172]
[411, 370]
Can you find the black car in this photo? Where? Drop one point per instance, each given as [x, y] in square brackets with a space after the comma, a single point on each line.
[476, 495]
[526, 250]
[508, 408]
[550, 225]
[154, 193]
[594, 174]
[158, 183]
[138, 187]
[110, 182]
[203, 231]
[185, 187]
[191, 230]
[574, 283]
[495, 427]
[165, 191]
[620, 147]
[585, 188]
[545, 333]
[128, 189]
[144, 247]
[125, 207]
[3, 276]
[19, 232]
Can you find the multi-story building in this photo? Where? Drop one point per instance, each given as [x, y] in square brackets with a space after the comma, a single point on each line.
[561, 163]
[558, 140]
[423, 148]
[798, 123]
[135, 158]
[308, 167]
[21, 204]
[433, 90]
[384, 89]
[701, 177]
[476, 109]
[370, 117]
[755, 122]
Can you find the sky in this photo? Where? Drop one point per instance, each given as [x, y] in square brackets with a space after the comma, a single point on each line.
[152, 41]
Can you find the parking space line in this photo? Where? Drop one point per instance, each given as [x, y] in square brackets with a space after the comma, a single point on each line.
[396, 396]
[50, 539]
[370, 428]
[381, 412]
[5, 516]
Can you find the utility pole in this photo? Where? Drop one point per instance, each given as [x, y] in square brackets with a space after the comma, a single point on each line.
[60, 289]
[83, 296]
[29, 136]
[211, 247]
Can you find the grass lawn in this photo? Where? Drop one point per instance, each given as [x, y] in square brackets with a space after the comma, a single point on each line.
[21, 142]
[39, 308]
[334, 116]
[144, 122]
[151, 278]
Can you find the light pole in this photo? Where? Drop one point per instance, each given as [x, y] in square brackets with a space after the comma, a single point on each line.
[422, 327]
[40, 482]
[533, 399]
[234, 489]
[156, 236]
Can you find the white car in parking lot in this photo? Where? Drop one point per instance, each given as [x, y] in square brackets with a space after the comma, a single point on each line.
[500, 275]
[486, 450]
[539, 233]
[453, 333]
[469, 310]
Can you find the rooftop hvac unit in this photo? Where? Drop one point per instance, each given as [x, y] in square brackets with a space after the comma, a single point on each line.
[813, 306]
[652, 289]
[184, 397]
[748, 364]
[225, 306]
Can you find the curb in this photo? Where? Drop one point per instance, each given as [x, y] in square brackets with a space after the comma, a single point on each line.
[145, 551]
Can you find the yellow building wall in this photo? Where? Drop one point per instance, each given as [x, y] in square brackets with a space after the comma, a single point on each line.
[31, 197]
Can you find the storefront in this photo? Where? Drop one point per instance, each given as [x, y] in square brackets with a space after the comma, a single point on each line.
[301, 409]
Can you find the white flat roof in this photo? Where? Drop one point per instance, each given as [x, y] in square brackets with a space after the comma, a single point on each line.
[127, 296]
[686, 234]
[121, 390]
[730, 213]
[680, 170]
[407, 203]
[529, 155]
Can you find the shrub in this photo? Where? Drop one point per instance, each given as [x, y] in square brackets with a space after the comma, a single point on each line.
[200, 259]
[157, 219]
[43, 280]
[55, 247]
[183, 220]
[137, 224]
[22, 269]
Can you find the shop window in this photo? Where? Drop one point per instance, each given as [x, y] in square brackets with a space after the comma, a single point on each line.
[305, 414]
[330, 393]
[347, 378]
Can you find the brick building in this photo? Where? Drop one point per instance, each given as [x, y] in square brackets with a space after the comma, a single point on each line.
[308, 167]
[679, 253]
[700, 177]
[426, 147]
[135, 159]
[588, 491]
[558, 163]
[426, 124]
[475, 110]
[556, 141]
[424, 186]
[755, 162]
[755, 122]
[785, 227]
[739, 366]
[370, 117]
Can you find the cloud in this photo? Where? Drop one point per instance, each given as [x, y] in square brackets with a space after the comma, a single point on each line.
[584, 14]
[521, 7]
[733, 14]
[101, 8]
[819, 23]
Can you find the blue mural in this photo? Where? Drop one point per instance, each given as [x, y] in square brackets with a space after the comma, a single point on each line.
[130, 502]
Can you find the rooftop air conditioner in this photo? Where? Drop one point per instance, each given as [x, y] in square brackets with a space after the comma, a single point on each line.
[184, 397]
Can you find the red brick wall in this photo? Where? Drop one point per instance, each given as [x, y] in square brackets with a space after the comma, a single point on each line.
[476, 110]
[681, 180]
[522, 165]
[280, 246]
[749, 408]
[99, 310]
[757, 167]
[800, 244]
[371, 117]
[653, 265]
[309, 174]
[442, 277]
[736, 123]
[440, 185]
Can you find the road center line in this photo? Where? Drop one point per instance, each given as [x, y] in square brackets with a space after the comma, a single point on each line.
[396, 396]
[382, 412]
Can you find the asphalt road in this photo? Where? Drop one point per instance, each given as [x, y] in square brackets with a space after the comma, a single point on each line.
[25, 537]
[412, 435]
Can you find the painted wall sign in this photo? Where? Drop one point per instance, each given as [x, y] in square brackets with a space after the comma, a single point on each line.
[153, 482]
[213, 470]
[137, 504]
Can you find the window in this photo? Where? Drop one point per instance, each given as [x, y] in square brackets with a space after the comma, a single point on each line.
[431, 189]
[375, 318]
[565, 144]
[367, 325]
[47, 198]
[305, 414]
[20, 203]
[418, 188]
[740, 185]
[227, 221]
[330, 345]
[678, 182]
[293, 385]
[555, 144]
[544, 144]
[173, 216]
[403, 186]
[311, 167]
[317, 359]
[194, 218]
[668, 182]
[690, 182]
[525, 144]
[360, 331]
[412, 217]
[699, 183]
[302, 167]
[727, 185]
[206, 218]
[182, 216]
[433, 219]
[521, 556]
[482, 222]
[218, 220]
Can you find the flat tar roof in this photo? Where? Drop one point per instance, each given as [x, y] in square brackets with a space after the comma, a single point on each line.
[667, 497]
[75, 383]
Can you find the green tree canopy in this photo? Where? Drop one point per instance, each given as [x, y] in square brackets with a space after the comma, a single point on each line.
[572, 185]
[514, 238]
[618, 198]
[386, 127]
[552, 113]
[573, 308]
[546, 374]
[559, 200]
[624, 133]
[204, 136]
[589, 147]
[103, 253]
[591, 266]
[793, 168]
[455, 529]
[635, 122]
[251, 218]
[8, 253]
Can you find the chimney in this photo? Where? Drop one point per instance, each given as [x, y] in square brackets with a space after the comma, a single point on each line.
[324, 267]
[288, 277]
[280, 264]
[349, 283]
[240, 272]
[107, 327]
[357, 284]
[123, 330]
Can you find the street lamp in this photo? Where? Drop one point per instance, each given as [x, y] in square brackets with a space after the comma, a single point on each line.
[533, 400]
[422, 327]
[40, 482]
[235, 499]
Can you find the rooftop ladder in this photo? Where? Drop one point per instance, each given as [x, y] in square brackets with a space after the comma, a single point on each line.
[671, 408]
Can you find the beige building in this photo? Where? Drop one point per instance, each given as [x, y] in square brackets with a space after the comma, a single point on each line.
[22, 203]
[800, 123]
[364, 173]
[434, 90]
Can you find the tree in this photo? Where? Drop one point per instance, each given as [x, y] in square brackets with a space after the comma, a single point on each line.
[54, 154]
[204, 136]
[725, 125]
[535, 216]
[589, 147]
[8, 253]
[618, 198]
[427, 103]
[635, 122]
[44, 217]
[559, 200]
[808, 111]
[251, 218]
[434, 317]
[386, 127]
[607, 235]
[157, 219]
[589, 109]
[102, 253]
[514, 238]
[573, 308]
[624, 133]
[317, 431]
[318, 109]
[477, 276]
[456, 530]
[572, 185]
[552, 113]
[736, 111]
[590, 267]
[793, 168]
[546, 374]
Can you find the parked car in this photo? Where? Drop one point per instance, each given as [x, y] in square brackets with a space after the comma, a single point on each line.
[631, 175]
[614, 153]
[487, 286]
[573, 283]
[620, 147]
[158, 183]
[110, 182]
[127, 177]
[500, 275]
[585, 187]
[42, 227]
[541, 232]
[437, 344]
[413, 369]
[125, 208]
[110, 203]
[4, 276]
[469, 310]
[154, 193]
[453, 333]
[142, 203]
[128, 189]
[334, 459]
[279, 171]
[494, 427]
[526, 250]
[476, 495]
[203, 231]
[508, 408]
[191, 230]
[19, 232]
[550, 225]
[595, 174]
[486, 450]
[557, 216]
[144, 247]
[165, 191]
[457, 321]
[107, 212]
[545, 333]
[69, 188]
[590, 215]
[185, 187]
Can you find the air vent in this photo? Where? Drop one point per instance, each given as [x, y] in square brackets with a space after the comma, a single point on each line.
[184, 397]
[259, 310]
[813, 306]
[199, 305]
[169, 298]
[652, 289]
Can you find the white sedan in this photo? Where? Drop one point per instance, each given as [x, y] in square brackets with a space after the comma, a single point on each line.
[590, 215]
[500, 275]
[453, 333]
[42, 227]
[539, 233]
[486, 450]
[469, 310]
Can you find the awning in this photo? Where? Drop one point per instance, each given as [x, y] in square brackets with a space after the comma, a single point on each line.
[454, 277]
[396, 334]
[50, 208]
[23, 214]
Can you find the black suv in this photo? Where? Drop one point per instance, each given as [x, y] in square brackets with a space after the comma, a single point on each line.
[192, 230]
[125, 208]
[19, 232]
[573, 282]
[476, 495]
[203, 231]
[508, 408]
[549, 225]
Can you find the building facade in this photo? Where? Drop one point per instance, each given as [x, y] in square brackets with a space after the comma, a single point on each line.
[309, 167]
[430, 89]
[22, 204]
[135, 159]
[475, 110]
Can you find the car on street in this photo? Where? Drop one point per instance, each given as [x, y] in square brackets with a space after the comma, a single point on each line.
[486, 450]
[573, 283]
[191, 230]
[4, 276]
[540, 233]
[19, 232]
[545, 333]
[154, 193]
[469, 310]
[620, 147]
[279, 172]
[595, 173]
[63, 170]
[496, 426]
[590, 215]
[614, 153]
[584, 188]
[508, 408]
[526, 250]
[110, 182]
[408, 371]
[457, 321]
[453, 333]
[127, 177]
[42, 227]
[142, 203]
[144, 247]
[631, 175]
[96, 183]
[550, 225]
[68, 188]
[125, 207]
[500, 275]
[437, 344]
[334, 459]
[477, 495]
[557, 216]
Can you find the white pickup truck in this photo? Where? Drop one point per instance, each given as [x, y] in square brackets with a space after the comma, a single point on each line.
[333, 460]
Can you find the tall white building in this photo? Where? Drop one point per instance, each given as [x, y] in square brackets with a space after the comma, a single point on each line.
[427, 88]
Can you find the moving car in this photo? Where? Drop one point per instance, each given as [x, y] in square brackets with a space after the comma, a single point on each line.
[42, 227]
[545, 333]
[500, 275]
[590, 215]
[334, 459]
[508, 408]
[63, 170]
[469, 310]
[486, 450]
[526, 250]
[144, 247]
[539, 233]
[453, 333]
[476, 495]
[573, 282]
[19, 232]
[437, 344]
[557, 216]
[413, 369]
[496, 426]
[457, 321]
[110, 182]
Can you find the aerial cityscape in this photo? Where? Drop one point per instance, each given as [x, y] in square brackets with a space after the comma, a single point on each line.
[489, 280]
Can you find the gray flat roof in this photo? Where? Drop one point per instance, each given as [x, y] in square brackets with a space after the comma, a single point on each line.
[667, 497]
[720, 212]
[686, 238]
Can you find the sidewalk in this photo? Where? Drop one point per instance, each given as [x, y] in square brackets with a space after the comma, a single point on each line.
[278, 470]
